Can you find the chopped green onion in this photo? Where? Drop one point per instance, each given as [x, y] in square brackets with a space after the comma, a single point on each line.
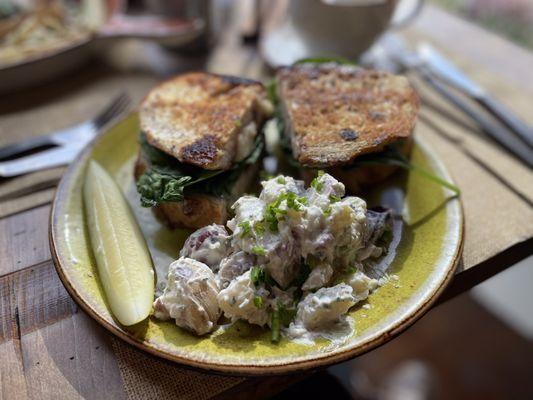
[272, 212]
[316, 184]
[257, 275]
[351, 270]
[294, 201]
[259, 250]
[281, 180]
[259, 228]
[275, 326]
[334, 199]
[246, 228]
[327, 211]
[258, 301]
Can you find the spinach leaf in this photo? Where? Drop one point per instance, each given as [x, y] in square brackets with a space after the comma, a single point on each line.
[166, 178]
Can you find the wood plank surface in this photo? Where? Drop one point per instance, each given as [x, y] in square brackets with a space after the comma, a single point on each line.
[24, 239]
[48, 339]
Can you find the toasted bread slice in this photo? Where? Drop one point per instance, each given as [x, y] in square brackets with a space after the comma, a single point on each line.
[334, 113]
[198, 117]
[198, 210]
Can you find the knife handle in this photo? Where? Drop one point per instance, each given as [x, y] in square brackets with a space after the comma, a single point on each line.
[497, 132]
[511, 120]
[19, 148]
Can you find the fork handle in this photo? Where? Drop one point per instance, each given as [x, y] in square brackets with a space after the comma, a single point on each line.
[513, 122]
[24, 146]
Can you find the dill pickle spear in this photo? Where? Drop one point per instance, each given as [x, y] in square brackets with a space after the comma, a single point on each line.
[124, 263]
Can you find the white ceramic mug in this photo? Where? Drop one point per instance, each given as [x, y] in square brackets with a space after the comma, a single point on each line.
[346, 27]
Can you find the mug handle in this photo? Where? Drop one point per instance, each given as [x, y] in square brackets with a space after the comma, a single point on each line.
[408, 17]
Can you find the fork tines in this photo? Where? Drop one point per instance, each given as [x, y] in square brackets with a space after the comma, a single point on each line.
[117, 106]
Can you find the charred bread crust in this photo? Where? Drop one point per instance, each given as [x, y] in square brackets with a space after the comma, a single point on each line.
[197, 117]
[334, 113]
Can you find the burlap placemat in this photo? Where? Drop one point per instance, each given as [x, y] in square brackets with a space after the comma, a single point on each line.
[146, 377]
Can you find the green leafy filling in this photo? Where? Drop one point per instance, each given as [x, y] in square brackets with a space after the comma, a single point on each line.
[166, 178]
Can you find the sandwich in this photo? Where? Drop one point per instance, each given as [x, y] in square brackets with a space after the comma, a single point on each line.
[201, 138]
[355, 124]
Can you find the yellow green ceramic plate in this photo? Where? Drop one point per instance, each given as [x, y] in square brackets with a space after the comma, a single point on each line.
[424, 263]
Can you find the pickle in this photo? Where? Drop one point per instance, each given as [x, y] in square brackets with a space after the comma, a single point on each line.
[123, 260]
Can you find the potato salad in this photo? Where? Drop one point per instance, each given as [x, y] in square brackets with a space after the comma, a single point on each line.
[292, 259]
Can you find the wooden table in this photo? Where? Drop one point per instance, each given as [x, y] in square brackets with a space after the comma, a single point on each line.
[49, 348]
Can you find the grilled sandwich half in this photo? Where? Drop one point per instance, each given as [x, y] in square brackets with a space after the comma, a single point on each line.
[346, 119]
[200, 143]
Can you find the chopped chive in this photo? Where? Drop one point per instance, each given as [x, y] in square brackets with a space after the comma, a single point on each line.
[275, 326]
[259, 228]
[351, 270]
[256, 275]
[316, 184]
[327, 211]
[258, 301]
[259, 250]
[246, 228]
[334, 199]
[281, 180]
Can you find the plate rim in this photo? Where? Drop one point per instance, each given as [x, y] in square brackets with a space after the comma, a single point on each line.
[320, 361]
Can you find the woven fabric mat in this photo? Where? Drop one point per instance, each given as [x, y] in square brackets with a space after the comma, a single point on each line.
[146, 377]
[497, 193]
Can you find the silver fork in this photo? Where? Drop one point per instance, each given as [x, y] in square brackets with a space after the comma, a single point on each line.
[68, 142]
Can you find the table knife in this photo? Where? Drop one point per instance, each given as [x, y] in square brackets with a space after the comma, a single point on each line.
[444, 69]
